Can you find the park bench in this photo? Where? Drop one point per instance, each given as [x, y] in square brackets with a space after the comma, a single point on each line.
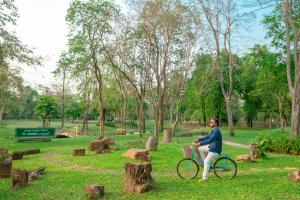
[29, 134]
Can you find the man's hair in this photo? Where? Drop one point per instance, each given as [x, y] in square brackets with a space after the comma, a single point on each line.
[216, 120]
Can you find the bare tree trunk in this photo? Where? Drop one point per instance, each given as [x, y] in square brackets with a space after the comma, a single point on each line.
[230, 118]
[63, 100]
[174, 126]
[1, 112]
[161, 114]
[142, 113]
[295, 129]
[291, 27]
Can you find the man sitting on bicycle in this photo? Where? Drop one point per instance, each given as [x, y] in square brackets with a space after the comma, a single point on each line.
[211, 144]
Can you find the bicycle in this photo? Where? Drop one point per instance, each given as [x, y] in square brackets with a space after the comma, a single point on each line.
[223, 167]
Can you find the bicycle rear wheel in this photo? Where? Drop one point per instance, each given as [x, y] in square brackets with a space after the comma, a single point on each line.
[225, 168]
[187, 168]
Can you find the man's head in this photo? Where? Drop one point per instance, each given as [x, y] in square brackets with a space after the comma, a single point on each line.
[213, 122]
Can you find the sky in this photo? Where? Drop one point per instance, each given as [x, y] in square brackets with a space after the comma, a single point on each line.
[41, 26]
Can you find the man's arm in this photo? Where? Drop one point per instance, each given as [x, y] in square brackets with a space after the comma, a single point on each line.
[212, 138]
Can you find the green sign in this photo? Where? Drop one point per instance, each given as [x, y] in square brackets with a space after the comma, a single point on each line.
[35, 133]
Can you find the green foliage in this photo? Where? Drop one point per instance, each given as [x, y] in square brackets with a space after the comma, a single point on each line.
[74, 110]
[267, 143]
[46, 109]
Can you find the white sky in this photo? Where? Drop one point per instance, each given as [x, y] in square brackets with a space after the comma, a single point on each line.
[42, 26]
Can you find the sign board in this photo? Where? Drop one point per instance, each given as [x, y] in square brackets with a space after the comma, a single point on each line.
[35, 133]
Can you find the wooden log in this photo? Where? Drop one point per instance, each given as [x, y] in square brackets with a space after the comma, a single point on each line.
[167, 136]
[31, 151]
[5, 167]
[94, 192]
[3, 150]
[138, 154]
[187, 151]
[36, 174]
[79, 152]
[101, 145]
[244, 158]
[254, 152]
[138, 178]
[294, 176]
[152, 143]
[17, 155]
[20, 178]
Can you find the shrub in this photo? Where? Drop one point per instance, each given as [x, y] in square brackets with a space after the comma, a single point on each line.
[281, 144]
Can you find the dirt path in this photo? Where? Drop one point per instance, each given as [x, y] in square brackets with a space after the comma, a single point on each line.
[236, 144]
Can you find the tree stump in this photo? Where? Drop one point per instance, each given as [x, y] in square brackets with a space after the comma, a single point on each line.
[187, 151]
[138, 178]
[5, 167]
[294, 176]
[36, 173]
[17, 155]
[254, 152]
[151, 144]
[3, 150]
[94, 192]
[138, 154]
[20, 178]
[79, 152]
[167, 136]
[101, 145]
[31, 151]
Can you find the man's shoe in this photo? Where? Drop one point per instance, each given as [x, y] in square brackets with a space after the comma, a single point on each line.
[203, 180]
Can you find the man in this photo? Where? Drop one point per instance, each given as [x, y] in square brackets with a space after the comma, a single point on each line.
[211, 144]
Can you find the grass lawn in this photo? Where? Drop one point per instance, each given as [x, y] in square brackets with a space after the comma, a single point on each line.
[66, 176]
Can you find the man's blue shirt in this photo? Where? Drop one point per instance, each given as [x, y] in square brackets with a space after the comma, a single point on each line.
[214, 139]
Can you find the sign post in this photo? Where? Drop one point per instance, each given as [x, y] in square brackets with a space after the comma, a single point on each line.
[23, 134]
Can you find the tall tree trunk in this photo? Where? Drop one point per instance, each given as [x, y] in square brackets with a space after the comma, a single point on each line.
[63, 100]
[142, 113]
[229, 117]
[1, 112]
[174, 126]
[295, 129]
[161, 114]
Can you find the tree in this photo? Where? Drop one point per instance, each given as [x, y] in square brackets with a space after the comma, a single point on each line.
[46, 109]
[284, 29]
[90, 25]
[220, 20]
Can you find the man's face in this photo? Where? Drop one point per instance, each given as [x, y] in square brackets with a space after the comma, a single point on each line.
[212, 123]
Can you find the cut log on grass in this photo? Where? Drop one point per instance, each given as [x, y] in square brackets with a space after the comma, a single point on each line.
[187, 151]
[254, 152]
[36, 174]
[101, 145]
[31, 151]
[138, 154]
[79, 152]
[20, 178]
[244, 158]
[294, 176]
[152, 143]
[138, 178]
[94, 192]
[5, 167]
[17, 155]
[167, 137]
[3, 150]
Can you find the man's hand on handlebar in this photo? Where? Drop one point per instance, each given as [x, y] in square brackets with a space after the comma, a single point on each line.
[196, 142]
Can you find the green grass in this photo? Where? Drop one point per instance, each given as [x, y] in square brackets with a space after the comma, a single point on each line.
[66, 176]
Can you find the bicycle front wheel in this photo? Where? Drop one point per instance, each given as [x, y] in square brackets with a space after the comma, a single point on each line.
[225, 168]
[187, 168]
